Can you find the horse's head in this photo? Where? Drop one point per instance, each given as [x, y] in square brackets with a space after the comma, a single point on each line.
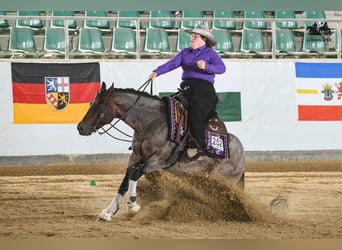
[100, 112]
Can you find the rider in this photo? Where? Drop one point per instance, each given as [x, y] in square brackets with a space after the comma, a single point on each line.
[200, 62]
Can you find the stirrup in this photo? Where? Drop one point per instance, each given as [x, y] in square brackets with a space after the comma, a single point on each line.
[191, 152]
[195, 154]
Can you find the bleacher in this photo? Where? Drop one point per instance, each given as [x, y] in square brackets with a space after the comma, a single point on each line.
[160, 34]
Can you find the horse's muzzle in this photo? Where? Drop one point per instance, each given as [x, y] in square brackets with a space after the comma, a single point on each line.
[84, 130]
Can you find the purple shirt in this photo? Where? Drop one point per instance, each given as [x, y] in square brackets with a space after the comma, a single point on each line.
[187, 58]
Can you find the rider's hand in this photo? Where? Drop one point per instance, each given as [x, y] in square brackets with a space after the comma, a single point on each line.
[201, 64]
[152, 75]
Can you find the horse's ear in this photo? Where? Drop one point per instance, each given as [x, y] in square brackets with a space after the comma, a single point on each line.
[104, 87]
[111, 88]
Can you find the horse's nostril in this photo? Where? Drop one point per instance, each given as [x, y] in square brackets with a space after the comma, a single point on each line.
[79, 128]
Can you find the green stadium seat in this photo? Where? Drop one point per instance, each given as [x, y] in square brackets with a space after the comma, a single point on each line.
[165, 24]
[22, 40]
[220, 24]
[54, 41]
[285, 41]
[314, 43]
[224, 40]
[72, 24]
[157, 41]
[260, 24]
[283, 14]
[102, 24]
[183, 39]
[314, 14]
[91, 40]
[32, 23]
[3, 22]
[252, 40]
[193, 23]
[129, 23]
[124, 40]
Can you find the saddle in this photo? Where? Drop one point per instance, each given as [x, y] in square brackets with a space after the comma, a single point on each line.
[216, 136]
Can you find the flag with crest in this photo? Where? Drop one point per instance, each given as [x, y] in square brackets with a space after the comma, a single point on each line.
[53, 92]
[319, 91]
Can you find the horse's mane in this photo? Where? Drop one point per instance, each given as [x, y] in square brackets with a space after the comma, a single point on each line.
[137, 92]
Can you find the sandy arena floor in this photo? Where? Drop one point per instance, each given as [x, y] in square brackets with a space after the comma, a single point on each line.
[59, 202]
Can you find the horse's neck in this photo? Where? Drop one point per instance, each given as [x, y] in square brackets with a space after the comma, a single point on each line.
[138, 111]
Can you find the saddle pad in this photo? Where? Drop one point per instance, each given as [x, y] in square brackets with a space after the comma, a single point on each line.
[177, 117]
[216, 139]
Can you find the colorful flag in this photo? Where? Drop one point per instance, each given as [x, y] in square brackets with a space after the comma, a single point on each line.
[319, 91]
[53, 92]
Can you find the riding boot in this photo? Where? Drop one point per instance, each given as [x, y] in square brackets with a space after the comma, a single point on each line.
[196, 152]
[193, 148]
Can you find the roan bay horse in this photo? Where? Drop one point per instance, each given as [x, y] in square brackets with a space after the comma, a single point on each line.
[146, 115]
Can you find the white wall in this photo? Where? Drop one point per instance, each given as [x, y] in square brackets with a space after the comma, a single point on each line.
[268, 111]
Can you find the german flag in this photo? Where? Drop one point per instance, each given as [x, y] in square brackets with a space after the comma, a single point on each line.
[53, 92]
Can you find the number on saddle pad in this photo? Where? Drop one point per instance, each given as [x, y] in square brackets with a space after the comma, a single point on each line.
[216, 138]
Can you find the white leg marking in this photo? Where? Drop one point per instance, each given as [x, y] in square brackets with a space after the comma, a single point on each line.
[132, 188]
[132, 205]
[107, 213]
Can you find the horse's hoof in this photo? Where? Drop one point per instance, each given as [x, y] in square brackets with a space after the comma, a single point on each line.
[99, 219]
[133, 207]
[105, 216]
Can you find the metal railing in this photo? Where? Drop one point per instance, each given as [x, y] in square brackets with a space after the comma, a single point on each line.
[335, 23]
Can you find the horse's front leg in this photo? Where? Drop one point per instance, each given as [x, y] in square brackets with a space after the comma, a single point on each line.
[107, 213]
[132, 206]
[129, 183]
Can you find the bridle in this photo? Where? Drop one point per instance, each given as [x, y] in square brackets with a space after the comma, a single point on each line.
[112, 126]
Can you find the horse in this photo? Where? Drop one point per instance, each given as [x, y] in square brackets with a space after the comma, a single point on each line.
[151, 148]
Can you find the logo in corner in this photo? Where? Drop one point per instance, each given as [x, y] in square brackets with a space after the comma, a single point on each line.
[57, 92]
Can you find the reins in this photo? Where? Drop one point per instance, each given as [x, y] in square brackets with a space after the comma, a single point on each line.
[106, 131]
